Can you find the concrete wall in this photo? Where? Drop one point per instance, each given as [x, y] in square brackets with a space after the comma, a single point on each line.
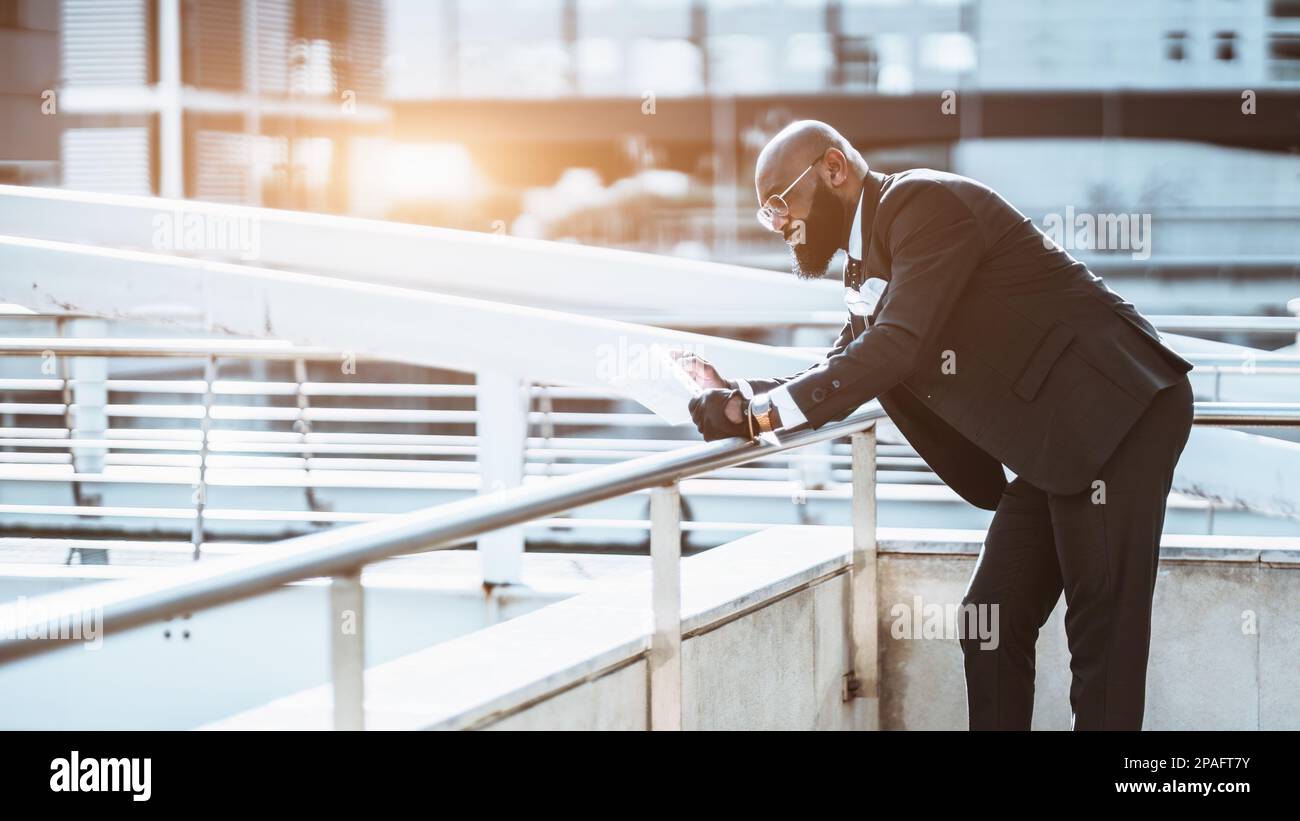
[766, 646]
[1207, 670]
[779, 667]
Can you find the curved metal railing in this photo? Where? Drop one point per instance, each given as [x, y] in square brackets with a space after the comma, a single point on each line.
[344, 550]
[340, 554]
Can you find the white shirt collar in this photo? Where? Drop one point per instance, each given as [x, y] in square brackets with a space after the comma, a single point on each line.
[855, 233]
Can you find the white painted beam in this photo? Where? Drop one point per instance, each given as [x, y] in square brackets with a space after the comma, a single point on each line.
[398, 324]
[468, 263]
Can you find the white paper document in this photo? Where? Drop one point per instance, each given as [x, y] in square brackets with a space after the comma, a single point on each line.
[660, 383]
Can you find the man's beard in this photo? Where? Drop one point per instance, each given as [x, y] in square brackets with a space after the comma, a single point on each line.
[822, 232]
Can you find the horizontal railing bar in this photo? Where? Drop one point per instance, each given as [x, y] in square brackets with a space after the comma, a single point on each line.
[246, 477]
[237, 387]
[1250, 370]
[1248, 414]
[246, 387]
[212, 548]
[1188, 322]
[222, 547]
[262, 413]
[244, 515]
[463, 477]
[123, 452]
[127, 546]
[127, 445]
[1243, 357]
[231, 437]
[184, 348]
[99, 511]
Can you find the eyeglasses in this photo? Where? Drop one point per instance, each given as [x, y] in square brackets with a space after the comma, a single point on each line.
[776, 206]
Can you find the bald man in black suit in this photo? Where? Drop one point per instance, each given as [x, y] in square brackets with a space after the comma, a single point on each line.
[988, 347]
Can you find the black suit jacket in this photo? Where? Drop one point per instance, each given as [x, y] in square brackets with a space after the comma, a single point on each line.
[990, 346]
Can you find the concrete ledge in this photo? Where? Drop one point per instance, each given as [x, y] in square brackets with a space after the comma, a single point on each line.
[485, 676]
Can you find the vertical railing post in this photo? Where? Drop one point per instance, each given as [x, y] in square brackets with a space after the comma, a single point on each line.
[302, 427]
[864, 680]
[501, 404]
[198, 532]
[815, 468]
[665, 661]
[348, 650]
[89, 396]
[1293, 305]
[85, 407]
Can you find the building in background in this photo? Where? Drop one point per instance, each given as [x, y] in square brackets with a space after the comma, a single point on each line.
[549, 48]
[467, 114]
[1147, 44]
[675, 47]
[257, 101]
[527, 90]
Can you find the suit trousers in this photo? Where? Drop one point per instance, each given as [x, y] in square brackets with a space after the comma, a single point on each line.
[1101, 547]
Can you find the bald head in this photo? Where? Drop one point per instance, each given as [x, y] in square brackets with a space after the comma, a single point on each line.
[796, 146]
[819, 177]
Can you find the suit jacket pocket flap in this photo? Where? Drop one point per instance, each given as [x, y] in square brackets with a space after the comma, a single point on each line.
[1041, 361]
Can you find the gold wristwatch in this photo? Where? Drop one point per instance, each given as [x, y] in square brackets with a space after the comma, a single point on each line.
[760, 407]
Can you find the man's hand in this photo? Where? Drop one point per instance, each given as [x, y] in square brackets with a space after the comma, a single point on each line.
[719, 414]
[701, 370]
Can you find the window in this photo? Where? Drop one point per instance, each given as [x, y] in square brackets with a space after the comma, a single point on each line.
[9, 14]
[1284, 56]
[1284, 8]
[1176, 46]
[1225, 46]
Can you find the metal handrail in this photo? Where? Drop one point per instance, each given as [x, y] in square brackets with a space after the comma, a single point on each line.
[1257, 324]
[343, 551]
[1248, 414]
[185, 348]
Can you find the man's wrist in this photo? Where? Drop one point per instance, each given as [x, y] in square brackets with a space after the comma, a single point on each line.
[764, 413]
[787, 410]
